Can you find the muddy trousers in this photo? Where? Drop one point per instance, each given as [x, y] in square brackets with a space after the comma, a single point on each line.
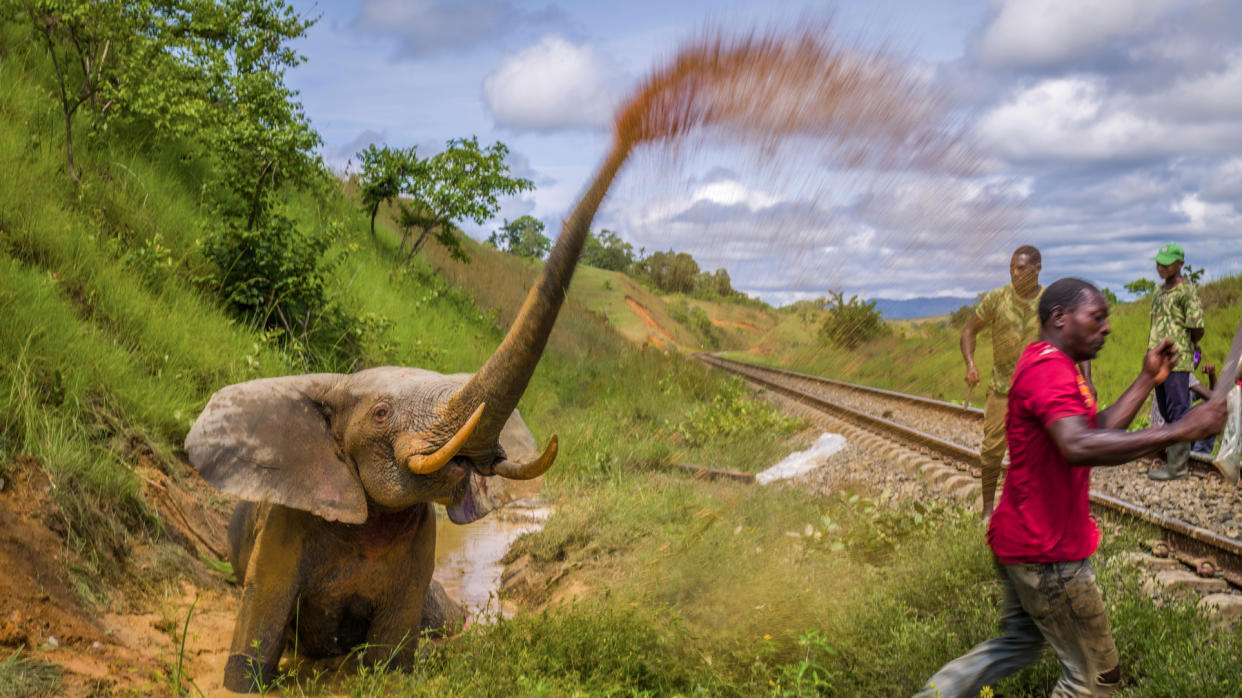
[1057, 604]
[992, 452]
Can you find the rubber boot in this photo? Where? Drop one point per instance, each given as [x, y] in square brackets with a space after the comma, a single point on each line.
[1176, 469]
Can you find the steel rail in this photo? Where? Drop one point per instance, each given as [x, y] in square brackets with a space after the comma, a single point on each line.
[1224, 551]
[1203, 461]
[952, 407]
[920, 439]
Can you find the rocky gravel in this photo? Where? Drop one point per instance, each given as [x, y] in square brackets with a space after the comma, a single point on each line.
[964, 429]
[1202, 499]
[855, 468]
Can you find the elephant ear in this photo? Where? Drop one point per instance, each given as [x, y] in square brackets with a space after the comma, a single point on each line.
[517, 441]
[478, 496]
[269, 440]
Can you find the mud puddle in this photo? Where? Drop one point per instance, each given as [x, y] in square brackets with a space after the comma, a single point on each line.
[468, 557]
[467, 565]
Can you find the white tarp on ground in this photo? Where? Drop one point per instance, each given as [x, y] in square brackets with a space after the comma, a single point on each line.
[795, 464]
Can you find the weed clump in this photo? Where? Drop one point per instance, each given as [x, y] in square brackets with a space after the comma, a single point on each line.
[27, 678]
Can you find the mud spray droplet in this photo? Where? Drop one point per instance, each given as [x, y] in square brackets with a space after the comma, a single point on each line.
[865, 127]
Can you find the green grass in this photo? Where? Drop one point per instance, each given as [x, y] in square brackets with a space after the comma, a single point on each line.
[114, 342]
[27, 678]
[726, 590]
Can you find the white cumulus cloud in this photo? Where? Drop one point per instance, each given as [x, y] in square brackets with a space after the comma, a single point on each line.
[1032, 33]
[552, 85]
[1070, 118]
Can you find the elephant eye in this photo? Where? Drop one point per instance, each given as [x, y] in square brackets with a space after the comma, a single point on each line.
[380, 412]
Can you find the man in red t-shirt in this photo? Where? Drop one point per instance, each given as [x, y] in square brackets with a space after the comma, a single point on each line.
[1042, 533]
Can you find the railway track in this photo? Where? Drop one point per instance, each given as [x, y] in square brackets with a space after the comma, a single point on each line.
[887, 414]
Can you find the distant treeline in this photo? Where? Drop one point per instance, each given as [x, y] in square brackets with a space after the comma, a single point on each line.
[667, 272]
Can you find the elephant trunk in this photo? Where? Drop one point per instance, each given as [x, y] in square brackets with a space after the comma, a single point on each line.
[503, 379]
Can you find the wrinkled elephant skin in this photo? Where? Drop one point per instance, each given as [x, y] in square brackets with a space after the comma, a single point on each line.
[334, 541]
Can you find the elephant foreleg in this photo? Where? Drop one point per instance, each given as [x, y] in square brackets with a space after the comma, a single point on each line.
[270, 591]
[394, 632]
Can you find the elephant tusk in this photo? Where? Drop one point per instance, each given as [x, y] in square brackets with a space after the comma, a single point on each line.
[425, 464]
[528, 471]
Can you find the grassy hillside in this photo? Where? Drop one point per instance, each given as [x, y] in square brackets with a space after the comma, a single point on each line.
[106, 308]
[923, 356]
[114, 338]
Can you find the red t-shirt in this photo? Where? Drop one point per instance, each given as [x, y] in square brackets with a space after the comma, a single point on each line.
[1044, 513]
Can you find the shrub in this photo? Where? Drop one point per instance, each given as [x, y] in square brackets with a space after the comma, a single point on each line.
[276, 276]
[958, 318]
[733, 413]
[849, 324]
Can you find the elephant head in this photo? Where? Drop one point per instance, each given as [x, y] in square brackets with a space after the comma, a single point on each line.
[386, 438]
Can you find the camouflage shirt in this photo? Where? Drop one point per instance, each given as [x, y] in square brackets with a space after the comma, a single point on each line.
[1014, 321]
[1173, 314]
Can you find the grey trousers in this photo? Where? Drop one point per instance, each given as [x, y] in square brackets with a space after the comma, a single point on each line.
[1053, 604]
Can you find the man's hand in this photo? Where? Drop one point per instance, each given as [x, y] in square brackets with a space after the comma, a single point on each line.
[1160, 361]
[972, 375]
[1204, 420]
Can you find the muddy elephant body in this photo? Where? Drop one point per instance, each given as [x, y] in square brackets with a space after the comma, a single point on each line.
[338, 585]
[334, 544]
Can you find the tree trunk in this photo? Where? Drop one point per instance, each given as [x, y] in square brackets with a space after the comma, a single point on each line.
[417, 244]
[258, 191]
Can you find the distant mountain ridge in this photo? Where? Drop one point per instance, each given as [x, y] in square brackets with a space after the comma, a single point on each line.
[920, 307]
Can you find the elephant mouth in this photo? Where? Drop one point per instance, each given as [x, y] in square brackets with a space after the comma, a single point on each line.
[471, 500]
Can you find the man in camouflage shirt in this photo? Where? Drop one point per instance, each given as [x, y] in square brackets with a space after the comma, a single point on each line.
[1012, 313]
[1177, 315]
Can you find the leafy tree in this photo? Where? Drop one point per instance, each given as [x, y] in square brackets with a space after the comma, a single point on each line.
[607, 251]
[1192, 275]
[208, 76]
[715, 283]
[462, 182]
[385, 175]
[671, 272]
[206, 72]
[1109, 296]
[958, 318]
[523, 238]
[1140, 287]
[78, 37]
[807, 310]
[849, 324]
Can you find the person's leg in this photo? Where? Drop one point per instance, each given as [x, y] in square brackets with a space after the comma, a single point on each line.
[1019, 644]
[1067, 608]
[993, 449]
[1173, 396]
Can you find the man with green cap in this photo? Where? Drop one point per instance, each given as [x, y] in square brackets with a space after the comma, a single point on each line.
[1176, 314]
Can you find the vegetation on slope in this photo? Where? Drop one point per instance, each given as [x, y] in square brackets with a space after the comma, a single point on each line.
[115, 336]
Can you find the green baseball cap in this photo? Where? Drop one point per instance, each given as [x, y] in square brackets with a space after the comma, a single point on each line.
[1170, 253]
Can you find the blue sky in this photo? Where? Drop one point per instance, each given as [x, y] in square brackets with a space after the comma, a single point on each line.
[1113, 126]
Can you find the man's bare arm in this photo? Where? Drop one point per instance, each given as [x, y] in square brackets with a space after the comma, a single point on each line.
[973, 325]
[1157, 364]
[1083, 446]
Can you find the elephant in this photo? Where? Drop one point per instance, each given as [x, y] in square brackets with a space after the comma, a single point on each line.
[334, 541]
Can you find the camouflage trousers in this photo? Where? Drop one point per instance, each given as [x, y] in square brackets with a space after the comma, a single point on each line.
[1053, 604]
[992, 452]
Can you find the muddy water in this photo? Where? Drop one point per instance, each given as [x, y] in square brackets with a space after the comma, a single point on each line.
[468, 557]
